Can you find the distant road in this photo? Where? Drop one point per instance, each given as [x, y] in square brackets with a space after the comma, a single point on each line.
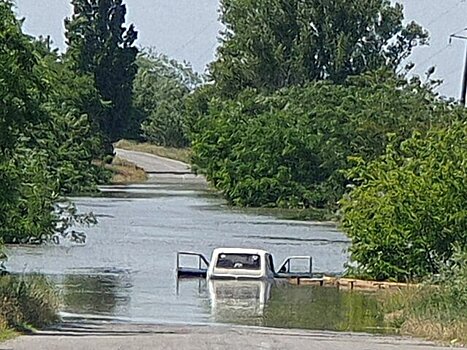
[139, 337]
[154, 164]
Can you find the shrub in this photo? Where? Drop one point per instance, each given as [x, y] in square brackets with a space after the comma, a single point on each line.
[408, 212]
[288, 149]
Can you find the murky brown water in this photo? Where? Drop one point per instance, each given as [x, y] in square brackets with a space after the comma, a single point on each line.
[126, 271]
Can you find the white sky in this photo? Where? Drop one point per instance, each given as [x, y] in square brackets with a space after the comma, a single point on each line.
[187, 30]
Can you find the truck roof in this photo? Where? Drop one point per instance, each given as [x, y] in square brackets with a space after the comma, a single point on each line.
[218, 251]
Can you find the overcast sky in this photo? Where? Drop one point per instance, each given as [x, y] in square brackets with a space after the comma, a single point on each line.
[188, 29]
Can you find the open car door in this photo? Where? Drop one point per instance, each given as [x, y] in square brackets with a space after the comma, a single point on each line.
[296, 267]
[199, 270]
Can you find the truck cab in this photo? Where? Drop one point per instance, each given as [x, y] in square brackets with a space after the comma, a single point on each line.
[240, 263]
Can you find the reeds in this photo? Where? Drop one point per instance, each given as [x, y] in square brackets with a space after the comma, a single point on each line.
[436, 310]
[27, 302]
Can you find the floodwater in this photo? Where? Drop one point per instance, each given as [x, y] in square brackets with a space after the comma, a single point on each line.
[126, 270]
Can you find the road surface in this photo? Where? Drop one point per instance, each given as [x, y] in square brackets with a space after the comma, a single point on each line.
[138, 337]
[162, 170]
[154, 164]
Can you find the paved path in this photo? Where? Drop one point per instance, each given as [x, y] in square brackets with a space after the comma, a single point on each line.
[154, 164]
[138, 337]
[162, 169]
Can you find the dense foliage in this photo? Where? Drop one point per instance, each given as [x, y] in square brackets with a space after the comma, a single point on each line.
[289, 148]
[271, 44]
[99, 45]
[160, 89]
[408, 212]
[47, 143]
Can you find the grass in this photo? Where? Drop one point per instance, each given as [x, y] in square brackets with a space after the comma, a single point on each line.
[414, 312]
[124, 172]
[26, 303]
[181, 154]
[436, 310]
[7, 333]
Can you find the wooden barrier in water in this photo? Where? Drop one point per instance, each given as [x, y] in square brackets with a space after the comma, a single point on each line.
[350, 283]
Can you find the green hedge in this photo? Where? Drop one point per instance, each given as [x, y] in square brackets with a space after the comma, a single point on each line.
[289, 149]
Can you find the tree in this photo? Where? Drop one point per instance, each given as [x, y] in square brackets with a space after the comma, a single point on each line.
[160, 89]
[290, 148]
[46, 145]
[407, 216]
[270, 44]
[20, 95]
[100, 45]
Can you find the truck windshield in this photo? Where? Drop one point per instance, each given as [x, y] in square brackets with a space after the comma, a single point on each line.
[239, 261]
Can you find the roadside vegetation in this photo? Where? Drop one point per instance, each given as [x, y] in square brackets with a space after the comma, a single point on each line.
[125, 172]
[26, 303]
[437, 310]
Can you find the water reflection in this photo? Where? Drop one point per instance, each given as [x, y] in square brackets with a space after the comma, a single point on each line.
[96, 293]
[239, 301]
[280, 305]
[324, 309]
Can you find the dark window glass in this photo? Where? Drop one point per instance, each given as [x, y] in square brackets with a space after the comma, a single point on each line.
[239, 261]
[270, 263]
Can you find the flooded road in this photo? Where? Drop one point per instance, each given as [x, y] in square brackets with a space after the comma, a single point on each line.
[126, 270]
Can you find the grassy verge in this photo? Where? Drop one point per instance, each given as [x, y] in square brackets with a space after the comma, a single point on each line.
[436, 311]
[26, 302]
[416, 312]
[7, 333]
[124, 172]
[181, 154]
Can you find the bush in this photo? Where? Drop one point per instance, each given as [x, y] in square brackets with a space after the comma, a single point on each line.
[408, 212]
[288, 149]
[27, 301]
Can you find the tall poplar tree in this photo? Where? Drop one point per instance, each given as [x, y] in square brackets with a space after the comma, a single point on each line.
[270, 44]
[99, 44]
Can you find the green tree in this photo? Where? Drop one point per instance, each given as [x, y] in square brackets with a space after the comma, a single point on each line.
[407, 214]
[100, 45]
[46, 145]
[290, 148]
[160, 89]
[20, 95]
[270, 44]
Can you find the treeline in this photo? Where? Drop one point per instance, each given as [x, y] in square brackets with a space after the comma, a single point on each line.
[59, 114]
[62, 112]
[309, 106]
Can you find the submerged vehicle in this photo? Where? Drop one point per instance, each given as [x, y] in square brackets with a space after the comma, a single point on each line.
[243, 264]
[239, 280]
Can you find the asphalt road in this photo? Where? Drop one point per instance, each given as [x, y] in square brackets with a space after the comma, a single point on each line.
[154, 164]
[138, 337]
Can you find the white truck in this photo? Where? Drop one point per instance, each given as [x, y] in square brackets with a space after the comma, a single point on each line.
[239, 280]
[243, 264]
